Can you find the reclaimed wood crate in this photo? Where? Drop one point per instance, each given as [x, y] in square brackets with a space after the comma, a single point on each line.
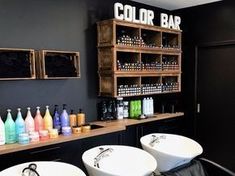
[52, 64]
[17, 64]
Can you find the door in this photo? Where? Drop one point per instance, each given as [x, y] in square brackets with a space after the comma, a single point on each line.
[215, 119]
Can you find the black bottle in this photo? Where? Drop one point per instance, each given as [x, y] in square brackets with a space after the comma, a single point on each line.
[109, 111]
[102, 110]
[114, 109]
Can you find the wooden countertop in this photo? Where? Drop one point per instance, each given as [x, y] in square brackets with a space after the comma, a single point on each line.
[128, 122]
[109, 127]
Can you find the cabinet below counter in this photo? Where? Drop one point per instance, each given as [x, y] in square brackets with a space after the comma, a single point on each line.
[108, 127]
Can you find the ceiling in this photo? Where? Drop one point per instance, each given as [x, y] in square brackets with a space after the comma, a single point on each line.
[174, 4]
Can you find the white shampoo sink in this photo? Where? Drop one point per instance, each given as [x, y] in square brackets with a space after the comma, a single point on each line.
[170, 150]
[118, 160]
[45, 168]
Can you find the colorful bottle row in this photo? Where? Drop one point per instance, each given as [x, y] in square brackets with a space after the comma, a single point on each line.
[22, 130]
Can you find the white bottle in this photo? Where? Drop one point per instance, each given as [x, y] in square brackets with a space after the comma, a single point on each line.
[147, 106]
[119, 108]
[144, 106]
[151, 109]
[29, 122]
[2, 132]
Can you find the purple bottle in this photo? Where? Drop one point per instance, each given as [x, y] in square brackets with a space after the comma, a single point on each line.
[56, 119]
[64, 117]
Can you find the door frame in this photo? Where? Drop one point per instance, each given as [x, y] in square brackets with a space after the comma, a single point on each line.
[196, 91]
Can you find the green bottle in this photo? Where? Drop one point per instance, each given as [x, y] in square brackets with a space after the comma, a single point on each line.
[138, 113]
[20, 125]
[132, 109]
[10, 129]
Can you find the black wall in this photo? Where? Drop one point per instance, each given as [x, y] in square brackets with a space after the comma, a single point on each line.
[60, 25]
[206, 25]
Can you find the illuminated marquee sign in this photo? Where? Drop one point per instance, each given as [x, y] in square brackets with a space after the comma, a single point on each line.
[129, 13]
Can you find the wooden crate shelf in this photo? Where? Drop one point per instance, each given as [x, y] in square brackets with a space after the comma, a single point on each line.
[52, 64]
[137, 85]
[130, 55]
[135, 61]
[17, 64]
[109, 32]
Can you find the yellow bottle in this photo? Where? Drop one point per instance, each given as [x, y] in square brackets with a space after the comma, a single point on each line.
[80, 118]
[72, 119]
[48, 123]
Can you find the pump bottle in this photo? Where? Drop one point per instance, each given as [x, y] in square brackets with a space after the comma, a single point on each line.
[72, 119]
[10, 133]
[38, 121]
[80, 118]
[48, 124]
[56, 119]
[2, 132]
[29, 122]
[64, 117]
[20, 124]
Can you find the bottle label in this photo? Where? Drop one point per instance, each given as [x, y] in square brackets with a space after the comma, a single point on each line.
[58, 127]
[11, 136]
[20, 129]
[2, 137]
[57, 124]
[30, 128]
[125, 113]
[120, 112]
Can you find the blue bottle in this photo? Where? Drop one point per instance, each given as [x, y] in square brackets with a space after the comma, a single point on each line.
[10, 129]
[20, 124]
[56, 119]
[64, 117]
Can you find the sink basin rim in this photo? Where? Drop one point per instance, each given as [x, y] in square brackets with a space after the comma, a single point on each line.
[101, 170]
[160, 150]
[19, 167]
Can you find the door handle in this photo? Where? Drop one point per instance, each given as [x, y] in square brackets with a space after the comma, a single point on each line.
[198, 108]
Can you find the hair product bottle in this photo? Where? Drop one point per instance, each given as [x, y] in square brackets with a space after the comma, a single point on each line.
[64, 117]
[38, 121]
[72, 119]
[2, 132]
[20, 124]
[56, 119]
[48, 124]
[29, 121]
[10, 131]
[80, 118]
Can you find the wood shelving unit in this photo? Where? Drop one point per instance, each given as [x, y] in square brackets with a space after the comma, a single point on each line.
[136, 59]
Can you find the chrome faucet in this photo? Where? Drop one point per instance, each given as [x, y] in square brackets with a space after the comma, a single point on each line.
[103, 153]
[156, 139]
[30, 170]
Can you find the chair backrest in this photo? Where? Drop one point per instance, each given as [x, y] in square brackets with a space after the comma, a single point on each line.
[214, 169]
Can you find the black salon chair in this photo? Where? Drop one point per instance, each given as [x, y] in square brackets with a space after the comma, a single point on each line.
[214, 169]
[199, 167]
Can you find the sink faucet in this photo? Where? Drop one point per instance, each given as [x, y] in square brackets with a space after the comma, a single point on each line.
[156, 139]
[30, 170]
[103, 153]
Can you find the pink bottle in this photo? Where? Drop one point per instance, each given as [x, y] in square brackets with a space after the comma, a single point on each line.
[38, 121]
[29, 122]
